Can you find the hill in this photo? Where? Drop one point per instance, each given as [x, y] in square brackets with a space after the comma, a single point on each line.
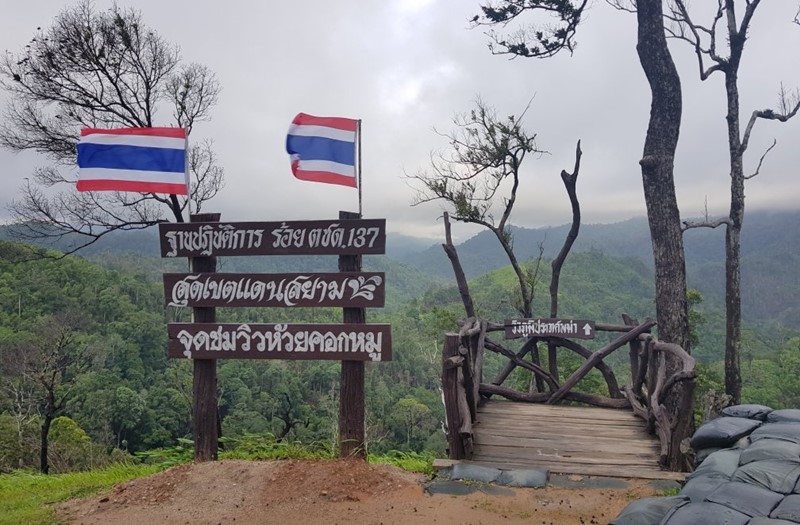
[770, 258]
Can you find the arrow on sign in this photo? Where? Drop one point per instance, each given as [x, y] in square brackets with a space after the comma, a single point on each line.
[587, 329]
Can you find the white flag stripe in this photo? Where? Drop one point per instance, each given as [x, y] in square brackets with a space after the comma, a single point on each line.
[132, 175]
[146, 141]
[326, 165]
[323, 131]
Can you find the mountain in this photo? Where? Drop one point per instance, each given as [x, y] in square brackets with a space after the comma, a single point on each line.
[770, 258]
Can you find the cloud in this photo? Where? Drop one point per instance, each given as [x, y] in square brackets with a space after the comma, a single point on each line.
[406, 67]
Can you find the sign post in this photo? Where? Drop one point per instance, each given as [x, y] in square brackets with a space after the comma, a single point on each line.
[352, 418]
[204, 402]
[204, 340]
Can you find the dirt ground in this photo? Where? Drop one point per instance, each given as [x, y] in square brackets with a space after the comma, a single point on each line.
[342, 492]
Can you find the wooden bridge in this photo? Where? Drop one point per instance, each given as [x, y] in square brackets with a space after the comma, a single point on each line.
[629, 433]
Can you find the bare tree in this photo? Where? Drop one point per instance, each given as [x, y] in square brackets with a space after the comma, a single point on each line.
[100, 69]
[719, 48]
[484, 160]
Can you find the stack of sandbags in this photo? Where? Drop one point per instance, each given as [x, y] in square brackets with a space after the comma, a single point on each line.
[748, 474]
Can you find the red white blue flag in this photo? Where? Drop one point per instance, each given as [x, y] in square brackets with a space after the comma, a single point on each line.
[323, 149]
[144, 160]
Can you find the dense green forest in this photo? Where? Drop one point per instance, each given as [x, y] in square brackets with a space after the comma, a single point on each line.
[96, 326]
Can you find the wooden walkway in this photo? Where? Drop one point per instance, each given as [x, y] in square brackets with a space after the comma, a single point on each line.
[566, 439]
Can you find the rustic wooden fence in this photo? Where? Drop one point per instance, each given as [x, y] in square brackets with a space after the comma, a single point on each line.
[659, 389]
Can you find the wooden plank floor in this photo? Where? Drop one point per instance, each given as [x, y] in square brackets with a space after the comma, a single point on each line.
[566, 439]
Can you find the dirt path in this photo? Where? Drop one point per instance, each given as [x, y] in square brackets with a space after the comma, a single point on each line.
[332, 493]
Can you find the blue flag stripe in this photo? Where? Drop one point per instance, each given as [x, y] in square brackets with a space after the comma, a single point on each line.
[131, 158]
[320, 148]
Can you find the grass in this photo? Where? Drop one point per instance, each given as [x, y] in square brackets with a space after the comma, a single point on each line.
[26, 498]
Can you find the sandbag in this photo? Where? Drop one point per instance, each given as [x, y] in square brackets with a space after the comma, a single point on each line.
[746, 498]
[789, 509]
[759, 412]
[720, 464]
[722, 432]
[705, 514]
[770, 449]
[778, 475]
[786, 415]
[647, 511]
[784, 431]
[702, 454]
[697, 489]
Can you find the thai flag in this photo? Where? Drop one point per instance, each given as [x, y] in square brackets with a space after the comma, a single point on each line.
[323, 149]
[144, 160]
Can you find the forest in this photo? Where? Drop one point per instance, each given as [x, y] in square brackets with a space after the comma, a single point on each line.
[93, 328]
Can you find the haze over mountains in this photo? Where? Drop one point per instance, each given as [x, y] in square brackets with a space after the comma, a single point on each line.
[770, 258]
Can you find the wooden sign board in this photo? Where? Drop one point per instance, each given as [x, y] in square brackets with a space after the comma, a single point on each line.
[342, 342]
[332, 237]
[348, 289]
[566, 328]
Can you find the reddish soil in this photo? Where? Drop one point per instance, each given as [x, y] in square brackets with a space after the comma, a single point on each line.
[343, 492]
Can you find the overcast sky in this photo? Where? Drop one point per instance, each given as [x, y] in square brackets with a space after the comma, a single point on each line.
[406, 67]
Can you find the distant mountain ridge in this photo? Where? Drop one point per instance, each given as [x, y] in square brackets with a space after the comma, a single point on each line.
[770, 258]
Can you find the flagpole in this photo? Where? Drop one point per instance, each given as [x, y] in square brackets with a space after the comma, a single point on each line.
[358, 166]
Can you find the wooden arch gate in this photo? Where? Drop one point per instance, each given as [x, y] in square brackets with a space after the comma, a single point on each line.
[634, 431]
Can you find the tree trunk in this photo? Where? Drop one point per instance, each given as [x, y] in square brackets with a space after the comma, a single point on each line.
[662, 207]
[352, 404]
[657, 175]
[733, 295]
[44, 462]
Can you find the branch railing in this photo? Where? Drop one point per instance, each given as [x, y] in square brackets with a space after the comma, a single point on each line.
[660, 389]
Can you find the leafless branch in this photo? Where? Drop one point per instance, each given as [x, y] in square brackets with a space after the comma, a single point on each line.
[707, 222]
[761, 160]
[789, 105]
[684, 28]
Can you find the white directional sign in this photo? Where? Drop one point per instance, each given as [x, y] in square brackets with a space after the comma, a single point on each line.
[567, 328]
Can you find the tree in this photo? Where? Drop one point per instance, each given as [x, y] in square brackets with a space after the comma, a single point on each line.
[708, 44]
[657, 161]
[485, 153]
[52, 360]
[100, 69]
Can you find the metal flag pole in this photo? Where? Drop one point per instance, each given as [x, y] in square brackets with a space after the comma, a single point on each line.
[358, 165]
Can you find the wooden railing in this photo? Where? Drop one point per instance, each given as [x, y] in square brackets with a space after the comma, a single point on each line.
[660, 388]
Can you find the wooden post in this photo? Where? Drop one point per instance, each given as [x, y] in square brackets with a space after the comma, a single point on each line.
[204, 404]
[351, 394]
[451, 360]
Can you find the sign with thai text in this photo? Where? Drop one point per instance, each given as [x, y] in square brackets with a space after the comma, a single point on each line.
[343, 342]
[348, 289]
[567, 328]
[332, 237]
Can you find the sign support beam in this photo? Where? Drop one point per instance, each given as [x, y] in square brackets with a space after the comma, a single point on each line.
[352, 408]
[204, 404]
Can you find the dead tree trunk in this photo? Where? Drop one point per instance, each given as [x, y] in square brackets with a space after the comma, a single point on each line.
[570, 180]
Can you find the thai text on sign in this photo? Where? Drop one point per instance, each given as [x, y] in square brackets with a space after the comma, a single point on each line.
[348, 289]
[330, 237]
[567, 328]
[348, 342]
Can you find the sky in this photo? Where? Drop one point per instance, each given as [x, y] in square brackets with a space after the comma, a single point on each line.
[406, 67]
